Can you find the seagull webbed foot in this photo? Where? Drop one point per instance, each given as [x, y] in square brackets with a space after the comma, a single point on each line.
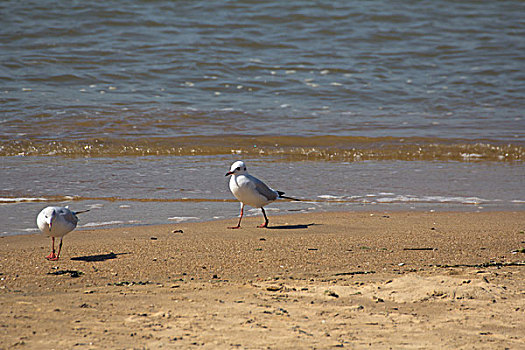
[52, 257]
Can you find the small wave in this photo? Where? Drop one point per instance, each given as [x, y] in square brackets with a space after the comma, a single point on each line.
[430, 199]
[183, 218]
[388, 197]
[12, 200]
[293, 148]
[22, 199]
[104, 223]
[471, 155]
[257, 210]
[329, 196]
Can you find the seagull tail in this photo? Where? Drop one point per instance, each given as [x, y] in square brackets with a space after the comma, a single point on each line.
[82, 211]
[281, 195]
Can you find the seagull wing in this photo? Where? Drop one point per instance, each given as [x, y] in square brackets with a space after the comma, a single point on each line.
[69, 216]
[263, 189]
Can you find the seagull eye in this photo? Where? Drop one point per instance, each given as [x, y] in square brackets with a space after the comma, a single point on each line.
[238, 168]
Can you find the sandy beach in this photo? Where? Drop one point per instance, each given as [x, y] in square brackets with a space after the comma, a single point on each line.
[400, 280]
[399, 127]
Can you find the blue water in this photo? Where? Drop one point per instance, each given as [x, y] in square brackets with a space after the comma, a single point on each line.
[367, 68]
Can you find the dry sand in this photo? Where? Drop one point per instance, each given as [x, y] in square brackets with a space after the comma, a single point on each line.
[406, 280]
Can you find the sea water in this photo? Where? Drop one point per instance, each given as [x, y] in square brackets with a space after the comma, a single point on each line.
[136, 110]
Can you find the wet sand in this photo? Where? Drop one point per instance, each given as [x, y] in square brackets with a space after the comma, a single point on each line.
[323, 280]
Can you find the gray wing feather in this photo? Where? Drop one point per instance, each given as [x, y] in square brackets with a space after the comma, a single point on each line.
[264, 190]
[69, 216]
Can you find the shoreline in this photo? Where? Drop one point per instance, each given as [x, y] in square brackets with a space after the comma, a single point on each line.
[315, 280]
[376, 208]
[151, 191]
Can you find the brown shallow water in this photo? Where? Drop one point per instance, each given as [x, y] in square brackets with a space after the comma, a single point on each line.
[290, 148]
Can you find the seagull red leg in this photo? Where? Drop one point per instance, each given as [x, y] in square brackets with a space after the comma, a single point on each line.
[52, 256]
[55, 258]
[240, 218]
[265, 219]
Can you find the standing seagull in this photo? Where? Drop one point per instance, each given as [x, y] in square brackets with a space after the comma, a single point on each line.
[56, 222]
[250, 190]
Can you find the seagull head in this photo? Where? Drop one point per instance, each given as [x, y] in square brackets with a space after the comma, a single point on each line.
[237, 168]
[49, 216]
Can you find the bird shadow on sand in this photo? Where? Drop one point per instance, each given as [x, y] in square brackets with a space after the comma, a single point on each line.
[291, 227]
[72, 273]
[98, 257]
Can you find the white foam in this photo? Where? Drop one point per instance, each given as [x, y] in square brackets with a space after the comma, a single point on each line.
[23, 199]
[471, 155]
[104, 223]
[329, 196]
[183, 218]
[431, 199]
[256, 210]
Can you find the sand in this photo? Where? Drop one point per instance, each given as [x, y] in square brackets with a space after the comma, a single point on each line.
[400, 280]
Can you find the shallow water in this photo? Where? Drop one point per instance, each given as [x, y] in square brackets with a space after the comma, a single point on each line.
[133, 107]
[159, 190]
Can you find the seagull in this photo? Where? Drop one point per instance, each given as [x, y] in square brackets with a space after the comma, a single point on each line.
[57, 222]
[251, 191]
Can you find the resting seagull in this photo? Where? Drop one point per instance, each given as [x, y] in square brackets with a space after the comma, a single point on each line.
[251, 191]
[57, 222]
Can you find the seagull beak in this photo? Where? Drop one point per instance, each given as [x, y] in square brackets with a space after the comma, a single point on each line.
[229, 173]
[51, 219]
